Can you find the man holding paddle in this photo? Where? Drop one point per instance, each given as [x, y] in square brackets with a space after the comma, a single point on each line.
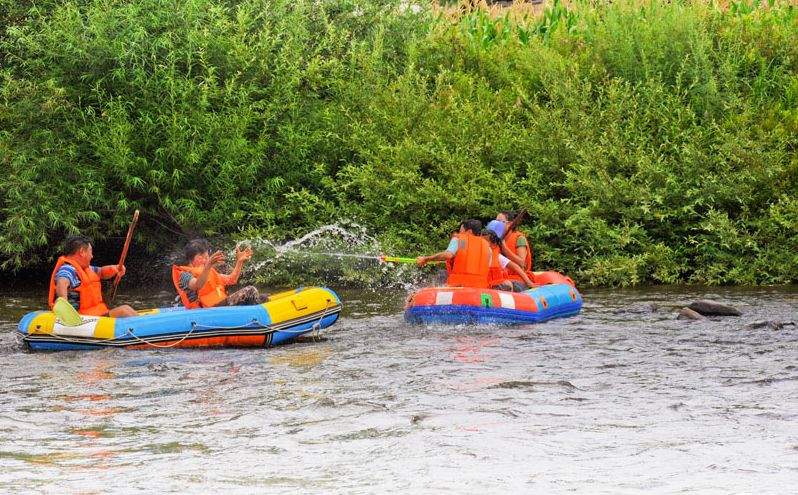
[75, 279]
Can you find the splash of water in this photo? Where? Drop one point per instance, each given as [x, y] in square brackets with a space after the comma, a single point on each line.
[342, 253]
[339, 254]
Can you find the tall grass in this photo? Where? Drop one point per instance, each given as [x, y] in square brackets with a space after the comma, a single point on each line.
[651, 142]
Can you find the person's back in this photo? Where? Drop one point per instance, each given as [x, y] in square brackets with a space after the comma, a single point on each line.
[467, 257]
[471, 263]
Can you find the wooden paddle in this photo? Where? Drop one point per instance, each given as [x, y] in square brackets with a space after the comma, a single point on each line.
[516, 221]
[124, 252]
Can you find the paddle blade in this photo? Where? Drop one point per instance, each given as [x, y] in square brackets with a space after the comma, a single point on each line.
[65, 312]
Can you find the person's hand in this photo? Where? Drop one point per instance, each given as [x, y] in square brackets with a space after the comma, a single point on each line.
[215, 259]
[421, 260]
[243, 255]
[121, 270]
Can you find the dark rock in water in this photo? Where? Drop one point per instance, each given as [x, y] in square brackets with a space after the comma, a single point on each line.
[712, 308]
[417, 418]
[531, 384]
[771, 324]
[689, 314]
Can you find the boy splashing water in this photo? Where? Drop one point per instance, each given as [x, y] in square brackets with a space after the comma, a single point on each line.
[200, 285]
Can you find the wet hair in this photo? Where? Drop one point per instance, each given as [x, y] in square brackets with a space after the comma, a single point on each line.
[492, 237]
[195, 247]
[74, 243]
[475, 226]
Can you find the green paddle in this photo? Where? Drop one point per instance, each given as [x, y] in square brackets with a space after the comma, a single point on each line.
[65, 312]
[397, 259]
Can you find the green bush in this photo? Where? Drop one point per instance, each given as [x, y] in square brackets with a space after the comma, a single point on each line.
[650, 142]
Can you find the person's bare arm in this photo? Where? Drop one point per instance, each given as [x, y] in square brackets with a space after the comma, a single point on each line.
[241, 257]
[110, 271]
[442, 256]
[519, 258]
[521, 273]
[197, 283]
[61, 287]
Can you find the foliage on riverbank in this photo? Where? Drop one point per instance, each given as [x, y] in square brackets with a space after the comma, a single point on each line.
[651, 143]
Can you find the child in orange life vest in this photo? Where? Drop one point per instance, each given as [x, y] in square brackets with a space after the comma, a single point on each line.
[516, 247]
[467, 257]
[75, 279]
[199, 285]
[501, 266]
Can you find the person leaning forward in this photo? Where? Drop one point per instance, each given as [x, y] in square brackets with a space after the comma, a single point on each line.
[468, 257]
[200, 285]
[79, 282]
[516, 247]
[501, 267]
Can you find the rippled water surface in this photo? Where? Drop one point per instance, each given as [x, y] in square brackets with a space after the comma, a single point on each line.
[621, 399]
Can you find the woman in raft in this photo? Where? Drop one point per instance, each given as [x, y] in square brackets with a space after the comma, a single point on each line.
[199, 285]
[474, 261]
[516, 247]
[501, 267]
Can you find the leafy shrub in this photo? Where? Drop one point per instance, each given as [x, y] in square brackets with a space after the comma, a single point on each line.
[651, 142]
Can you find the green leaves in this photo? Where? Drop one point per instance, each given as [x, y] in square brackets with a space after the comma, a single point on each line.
[650, 142]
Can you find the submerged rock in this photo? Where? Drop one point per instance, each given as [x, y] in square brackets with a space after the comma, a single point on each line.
[689, 314]
[712, 308]
[771, 324]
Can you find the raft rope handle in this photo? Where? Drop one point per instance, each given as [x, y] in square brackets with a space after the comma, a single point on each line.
[129, 332]
[316, 327]
[167, 346]
[257, 324]
[194, 326]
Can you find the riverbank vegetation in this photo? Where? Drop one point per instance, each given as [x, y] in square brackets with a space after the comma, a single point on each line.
[650, 142]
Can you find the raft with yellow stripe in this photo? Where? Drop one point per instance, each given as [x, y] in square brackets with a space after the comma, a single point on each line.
[557, 297]
[282, 319]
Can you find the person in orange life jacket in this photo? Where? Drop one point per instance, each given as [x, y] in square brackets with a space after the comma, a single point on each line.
[79, 282]
[467, 257]
[516, 247]
[199, 285]
[501, 266]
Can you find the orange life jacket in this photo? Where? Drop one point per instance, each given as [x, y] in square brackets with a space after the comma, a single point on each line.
[496, 274]
[470, 265]
[511, 241]
[210, 294]
[90, 289]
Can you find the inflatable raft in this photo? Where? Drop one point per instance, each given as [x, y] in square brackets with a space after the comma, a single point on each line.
[463, 305]
[282, 319]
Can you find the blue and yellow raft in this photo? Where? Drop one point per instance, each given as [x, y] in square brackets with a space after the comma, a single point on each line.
[282, 319]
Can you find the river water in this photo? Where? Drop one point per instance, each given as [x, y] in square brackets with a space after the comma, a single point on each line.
[623, 398]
